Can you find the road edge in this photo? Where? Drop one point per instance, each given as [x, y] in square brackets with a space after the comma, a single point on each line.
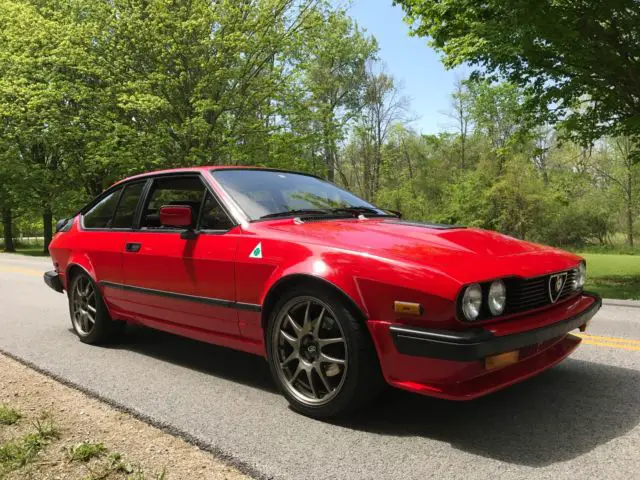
[621, 303]
[218, 453]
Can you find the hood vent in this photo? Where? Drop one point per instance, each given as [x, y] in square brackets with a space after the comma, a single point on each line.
[321, 218]
[436, 226]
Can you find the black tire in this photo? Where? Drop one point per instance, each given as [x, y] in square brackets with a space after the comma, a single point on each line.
[104, 328]
[363, 378]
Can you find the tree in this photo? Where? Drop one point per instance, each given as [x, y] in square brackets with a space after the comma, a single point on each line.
[94, 91]
[460, 113]
[615, 163]
[335, 77]
[497, 114]
[10, 187]
[383, 107]
[34, 106]
[578, 60]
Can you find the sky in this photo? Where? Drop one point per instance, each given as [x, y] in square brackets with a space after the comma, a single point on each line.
[410, 60]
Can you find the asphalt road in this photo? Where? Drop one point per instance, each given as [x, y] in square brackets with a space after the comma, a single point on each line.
[577, 420]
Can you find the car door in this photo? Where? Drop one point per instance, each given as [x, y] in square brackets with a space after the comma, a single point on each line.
[181, 281]
[104, 228]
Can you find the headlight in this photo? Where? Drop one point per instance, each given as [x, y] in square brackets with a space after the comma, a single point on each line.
[497, 297]
[472, 301]
[581, 275]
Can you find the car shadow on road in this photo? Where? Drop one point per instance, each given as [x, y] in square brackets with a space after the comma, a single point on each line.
[221, 362]
[556, 416]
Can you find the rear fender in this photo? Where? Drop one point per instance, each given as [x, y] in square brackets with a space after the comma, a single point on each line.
[81, 261]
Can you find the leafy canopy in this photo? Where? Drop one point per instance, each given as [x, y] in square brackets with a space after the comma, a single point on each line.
[579, 60]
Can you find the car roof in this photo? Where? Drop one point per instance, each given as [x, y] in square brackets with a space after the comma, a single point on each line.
[206, 168]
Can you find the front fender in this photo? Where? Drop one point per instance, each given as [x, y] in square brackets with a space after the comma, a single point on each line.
[317, 267]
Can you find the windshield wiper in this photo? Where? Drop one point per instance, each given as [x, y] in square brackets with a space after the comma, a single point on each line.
[351, 211]
[362, 210]
[301, 211]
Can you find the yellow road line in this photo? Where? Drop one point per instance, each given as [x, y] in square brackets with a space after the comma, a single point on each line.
[613, 345]
[597, 338]
[25, 271]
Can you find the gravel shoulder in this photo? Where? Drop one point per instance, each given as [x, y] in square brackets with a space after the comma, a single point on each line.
[132, 448]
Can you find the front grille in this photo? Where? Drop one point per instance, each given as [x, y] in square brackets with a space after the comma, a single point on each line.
[531, 293]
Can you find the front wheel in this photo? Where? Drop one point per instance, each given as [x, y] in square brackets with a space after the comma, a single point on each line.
[320, 355]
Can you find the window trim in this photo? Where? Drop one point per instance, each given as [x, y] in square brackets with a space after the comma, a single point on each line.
[135, 210]
[207, 189]
[148, 180]
[212, 173]
[97, 200]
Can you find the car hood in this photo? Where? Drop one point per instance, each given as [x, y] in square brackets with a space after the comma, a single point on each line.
[466, 254]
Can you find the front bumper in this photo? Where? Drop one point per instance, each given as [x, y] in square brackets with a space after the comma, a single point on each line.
[453, 365]
[479, 343]
[52, 279]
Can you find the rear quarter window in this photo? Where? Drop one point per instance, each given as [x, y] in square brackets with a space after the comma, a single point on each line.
[101, 214]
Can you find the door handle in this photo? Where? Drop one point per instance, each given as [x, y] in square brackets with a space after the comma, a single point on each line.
[132, 247]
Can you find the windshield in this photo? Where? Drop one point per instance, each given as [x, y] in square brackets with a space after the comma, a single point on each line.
[265, 193]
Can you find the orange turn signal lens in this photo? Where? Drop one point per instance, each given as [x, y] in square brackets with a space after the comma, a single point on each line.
[407, 308]
[501, 360]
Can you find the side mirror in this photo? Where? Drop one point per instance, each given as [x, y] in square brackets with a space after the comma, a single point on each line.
[176, 216]
[60, 224]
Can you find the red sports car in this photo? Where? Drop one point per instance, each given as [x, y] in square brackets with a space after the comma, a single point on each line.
[340, 296]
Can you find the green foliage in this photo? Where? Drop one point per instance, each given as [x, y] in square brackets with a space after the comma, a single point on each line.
[14, 455]
[95, 91]
[577, 226]
[515, 179]
[91, 92]
[85, 451]
[334, 81]
[8, 416]
[613, 275]
[574, 58]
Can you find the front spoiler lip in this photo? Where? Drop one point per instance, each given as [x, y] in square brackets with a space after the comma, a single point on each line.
[478, 343]
[52, 279]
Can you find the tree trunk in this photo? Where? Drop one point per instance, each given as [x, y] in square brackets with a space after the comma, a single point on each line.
[630, 200]
[630, 221]
[328, 154]
[7, 224]
[366, 175]
[47, 220]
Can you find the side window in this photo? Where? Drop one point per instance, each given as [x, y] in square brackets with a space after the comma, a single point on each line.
[172, 191]
[101, 214]
[127, 206]
[213, 216]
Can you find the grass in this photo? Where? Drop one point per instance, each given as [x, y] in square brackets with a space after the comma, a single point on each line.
[8, 416]
[29, 251]
[24, 452]
[18, 453]
[85, 451]
[613, 275]
[32, 252]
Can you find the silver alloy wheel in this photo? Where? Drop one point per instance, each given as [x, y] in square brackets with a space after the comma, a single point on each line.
[310, 350]
[83, 306]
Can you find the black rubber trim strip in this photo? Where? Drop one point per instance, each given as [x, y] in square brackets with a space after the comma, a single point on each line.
[436, 226]
[476, 344]
[183, 296]
[52, 279]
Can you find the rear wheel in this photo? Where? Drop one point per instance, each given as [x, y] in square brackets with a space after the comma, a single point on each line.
[89, 316]
[320, 355]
